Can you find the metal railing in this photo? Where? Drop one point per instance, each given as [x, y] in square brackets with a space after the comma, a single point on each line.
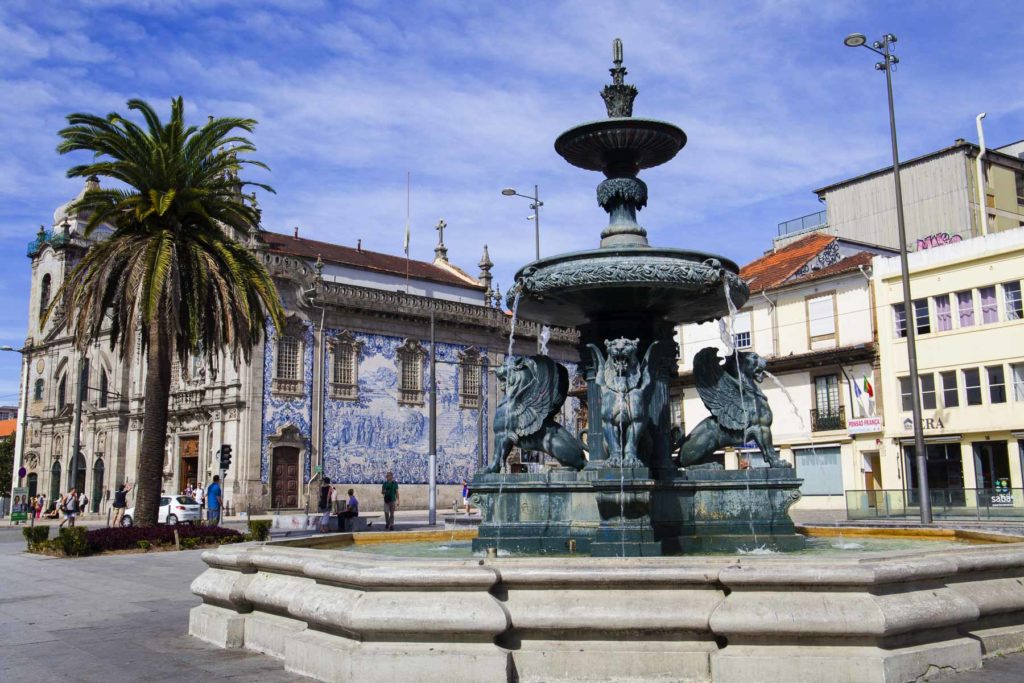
[992, 503]
[811, 221]
[281, 385]
[825, 420]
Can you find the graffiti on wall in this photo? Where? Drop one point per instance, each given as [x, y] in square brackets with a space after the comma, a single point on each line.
[937, 240]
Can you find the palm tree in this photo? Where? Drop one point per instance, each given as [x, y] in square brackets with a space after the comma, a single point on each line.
[172, 278]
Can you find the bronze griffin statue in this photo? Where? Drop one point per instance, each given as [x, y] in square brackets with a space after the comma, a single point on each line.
[739, 409]
[535, 389]
[625, 382]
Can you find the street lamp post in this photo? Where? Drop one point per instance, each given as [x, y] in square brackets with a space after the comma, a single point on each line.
[537, 203]
[883, 48]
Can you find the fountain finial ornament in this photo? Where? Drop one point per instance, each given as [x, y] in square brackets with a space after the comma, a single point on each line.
[619, 96]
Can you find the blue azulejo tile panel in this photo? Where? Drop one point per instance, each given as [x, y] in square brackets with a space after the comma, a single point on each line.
[367, 437]
[281, 412]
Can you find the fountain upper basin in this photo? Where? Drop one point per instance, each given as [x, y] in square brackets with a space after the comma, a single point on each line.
[673, 284]
[608, 143]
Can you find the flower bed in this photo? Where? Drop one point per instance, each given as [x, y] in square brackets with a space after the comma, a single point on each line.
[129, 538]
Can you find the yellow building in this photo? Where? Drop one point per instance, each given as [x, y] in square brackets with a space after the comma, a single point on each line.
[970, 346]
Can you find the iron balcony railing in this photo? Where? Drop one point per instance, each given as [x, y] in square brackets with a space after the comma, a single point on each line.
[827, 419]
[811, 221]
[956, 503]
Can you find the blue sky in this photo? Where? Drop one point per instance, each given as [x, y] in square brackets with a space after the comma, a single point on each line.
[469, 97]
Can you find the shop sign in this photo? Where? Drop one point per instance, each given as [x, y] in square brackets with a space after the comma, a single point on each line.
[926, 423]
[864, 425]
[20, 504]
[1002, 496]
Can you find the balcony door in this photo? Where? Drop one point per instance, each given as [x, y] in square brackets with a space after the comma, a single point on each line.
[828, 413]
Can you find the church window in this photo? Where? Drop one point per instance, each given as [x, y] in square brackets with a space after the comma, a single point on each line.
[287, 372]
[62, 394]
[104, 386]
[37, 393]
[345, 367]
[410, 373]
[44, 295]
[470, 376]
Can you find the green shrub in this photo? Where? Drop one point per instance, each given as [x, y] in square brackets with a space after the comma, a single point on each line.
[74, 541]
[260, 529]
[54, 546]
[35, 536]
[189, 543]
[144, 544]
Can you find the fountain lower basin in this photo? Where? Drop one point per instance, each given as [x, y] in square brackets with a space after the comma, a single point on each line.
[337, 615]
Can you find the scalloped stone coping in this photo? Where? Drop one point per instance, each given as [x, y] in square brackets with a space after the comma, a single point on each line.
[336, 615]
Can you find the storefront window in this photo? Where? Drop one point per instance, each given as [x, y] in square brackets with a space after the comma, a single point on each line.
[991, 463]
[945, 474]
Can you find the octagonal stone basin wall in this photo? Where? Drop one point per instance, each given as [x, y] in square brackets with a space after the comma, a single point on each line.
[343, 616]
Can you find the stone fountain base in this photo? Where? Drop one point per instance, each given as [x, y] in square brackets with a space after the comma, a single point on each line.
[613, 512]
[882, 617]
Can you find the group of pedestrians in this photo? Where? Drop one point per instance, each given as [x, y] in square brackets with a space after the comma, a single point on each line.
[326, 505]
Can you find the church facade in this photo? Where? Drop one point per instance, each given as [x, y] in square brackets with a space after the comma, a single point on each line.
[342, 391]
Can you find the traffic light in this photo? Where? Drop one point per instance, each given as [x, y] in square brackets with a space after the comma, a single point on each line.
[225, 456]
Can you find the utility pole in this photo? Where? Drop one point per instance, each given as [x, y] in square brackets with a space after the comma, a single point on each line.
[432, 446]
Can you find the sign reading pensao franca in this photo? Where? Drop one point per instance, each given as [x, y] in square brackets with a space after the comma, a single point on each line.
[864, 425]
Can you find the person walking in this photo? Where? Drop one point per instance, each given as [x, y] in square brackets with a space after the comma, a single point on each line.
[42, 505]
[120, 503]
[70, 508]
[200, 497]
[214, 501]
[83, 503]
[389, 489]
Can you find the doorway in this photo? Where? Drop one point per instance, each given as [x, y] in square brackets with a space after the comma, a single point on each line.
[284, 479]
[55, 481]
[872, 477]
[991, 465]
[188, 466]
[33, 484]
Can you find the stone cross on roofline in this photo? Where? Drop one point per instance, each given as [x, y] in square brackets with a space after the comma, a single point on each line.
[440, 251]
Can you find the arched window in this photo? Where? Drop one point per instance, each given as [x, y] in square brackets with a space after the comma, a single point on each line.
[62, 393]
[44, 295]
[37, 392]
[345, 366]
[103, 389]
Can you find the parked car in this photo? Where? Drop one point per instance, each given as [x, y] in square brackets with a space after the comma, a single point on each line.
[173, 509]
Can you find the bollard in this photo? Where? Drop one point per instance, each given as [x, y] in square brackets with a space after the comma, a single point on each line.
[177, 540]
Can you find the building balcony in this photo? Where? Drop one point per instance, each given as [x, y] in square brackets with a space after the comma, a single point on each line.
[344, 391]
[291, 387]
[828, 419]
[811, 221]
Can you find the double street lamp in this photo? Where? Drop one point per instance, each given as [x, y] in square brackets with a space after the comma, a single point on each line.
[883, 48]
[537, 203]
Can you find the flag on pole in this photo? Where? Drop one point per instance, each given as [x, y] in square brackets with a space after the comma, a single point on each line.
[869, 390]
[405, 245]
[860, 399]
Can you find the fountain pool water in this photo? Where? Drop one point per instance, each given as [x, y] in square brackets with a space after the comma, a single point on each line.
[636, 601]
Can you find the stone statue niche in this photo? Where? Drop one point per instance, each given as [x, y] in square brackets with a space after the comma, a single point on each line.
[626, 388]
[533, 390]
[739, 409]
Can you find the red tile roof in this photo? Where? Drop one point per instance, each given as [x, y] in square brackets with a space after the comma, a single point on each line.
[8, 428]
[364, 259]
[772, 269]
[850, 263]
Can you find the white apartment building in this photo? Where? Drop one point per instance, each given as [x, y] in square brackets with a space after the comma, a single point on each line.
[810, 315]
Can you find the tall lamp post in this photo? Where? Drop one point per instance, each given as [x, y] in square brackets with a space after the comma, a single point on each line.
[883, 48]
[537, 203]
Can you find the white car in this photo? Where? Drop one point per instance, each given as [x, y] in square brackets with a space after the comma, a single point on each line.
[173, 509]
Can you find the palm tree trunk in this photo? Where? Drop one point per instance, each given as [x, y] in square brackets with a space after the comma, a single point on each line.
[154, 424]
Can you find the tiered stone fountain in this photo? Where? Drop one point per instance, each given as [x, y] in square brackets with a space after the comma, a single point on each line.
[339, 615]
[626, 298]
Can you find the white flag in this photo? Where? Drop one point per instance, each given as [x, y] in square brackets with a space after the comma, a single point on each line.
[405, 245]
